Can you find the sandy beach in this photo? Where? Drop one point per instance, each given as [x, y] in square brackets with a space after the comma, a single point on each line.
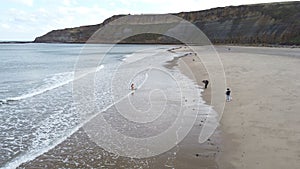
[261, 124]
[259, 128]
[79, 150]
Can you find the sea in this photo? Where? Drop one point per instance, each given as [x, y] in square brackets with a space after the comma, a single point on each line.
[37, 109]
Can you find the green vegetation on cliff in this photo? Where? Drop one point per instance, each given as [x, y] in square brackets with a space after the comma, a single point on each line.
[271, 23]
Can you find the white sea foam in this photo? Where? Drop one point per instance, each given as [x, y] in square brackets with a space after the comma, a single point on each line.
[139, 55]
[50, 83]
[49, 132]
[56, 81]
[126, 56]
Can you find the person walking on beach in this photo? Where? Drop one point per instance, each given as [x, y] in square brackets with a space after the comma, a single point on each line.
[205, 83]
[132, 86]
[228, 92]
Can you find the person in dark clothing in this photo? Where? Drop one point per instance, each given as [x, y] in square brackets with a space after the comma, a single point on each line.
[132, 86]
[228, 92]
[205, 83]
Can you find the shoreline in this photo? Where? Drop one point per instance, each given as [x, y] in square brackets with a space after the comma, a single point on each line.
[213, 146]
[193, 62]
[171, 44]
[259, 128]
[78, 147]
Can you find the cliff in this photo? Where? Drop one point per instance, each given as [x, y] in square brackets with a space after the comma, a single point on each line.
[272, 23]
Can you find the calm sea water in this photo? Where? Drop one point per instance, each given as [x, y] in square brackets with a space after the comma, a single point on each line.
[36, 103]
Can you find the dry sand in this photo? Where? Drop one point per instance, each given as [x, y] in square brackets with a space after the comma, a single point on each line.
[260, 128]
[262, 123]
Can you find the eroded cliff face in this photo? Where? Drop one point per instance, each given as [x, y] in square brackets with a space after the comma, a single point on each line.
[273, 23]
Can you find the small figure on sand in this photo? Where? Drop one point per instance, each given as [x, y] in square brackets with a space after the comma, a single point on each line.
[205, 83]
[132, 86]
[228, 97]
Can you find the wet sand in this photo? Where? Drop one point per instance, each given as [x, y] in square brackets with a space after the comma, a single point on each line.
[78, 151]
[259, 127]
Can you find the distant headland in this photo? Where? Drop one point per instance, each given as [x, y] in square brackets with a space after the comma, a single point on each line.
[1, 42]
[259, 24]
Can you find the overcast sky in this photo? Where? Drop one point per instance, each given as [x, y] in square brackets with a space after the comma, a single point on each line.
[27, 19]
